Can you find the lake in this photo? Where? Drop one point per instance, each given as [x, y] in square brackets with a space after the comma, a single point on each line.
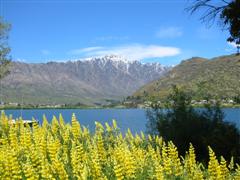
[135, 119]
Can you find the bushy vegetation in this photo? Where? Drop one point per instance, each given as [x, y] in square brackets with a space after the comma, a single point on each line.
[5, 59]
[179, 122]
[69, 151]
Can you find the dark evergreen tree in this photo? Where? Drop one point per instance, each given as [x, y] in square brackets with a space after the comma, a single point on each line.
[227, 11]
[179, 122]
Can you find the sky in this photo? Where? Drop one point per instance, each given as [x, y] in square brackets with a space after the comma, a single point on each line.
[145, 30]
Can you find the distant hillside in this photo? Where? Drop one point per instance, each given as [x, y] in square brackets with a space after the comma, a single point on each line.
[88, 81]
[215, 78]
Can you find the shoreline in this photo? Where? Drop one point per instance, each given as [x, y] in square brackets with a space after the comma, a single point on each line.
[100, 107]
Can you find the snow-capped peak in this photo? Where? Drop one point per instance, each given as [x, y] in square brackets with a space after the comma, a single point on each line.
[112, 57]
[116, 58]
[120, 61]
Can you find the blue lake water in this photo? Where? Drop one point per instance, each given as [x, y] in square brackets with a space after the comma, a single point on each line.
[135, 119]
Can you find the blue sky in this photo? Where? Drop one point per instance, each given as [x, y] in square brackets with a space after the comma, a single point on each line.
[147, 30]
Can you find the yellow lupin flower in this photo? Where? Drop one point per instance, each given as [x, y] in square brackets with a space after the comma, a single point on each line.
[108, 127]
[129, 163]
[118, 170]
[175, 161]
[46, 172]
[95, 164]
[114, 124]
[192, 156]
[59, 169]
[29, 171]
[77, 159]
[159, 141]
[140, 157]
[35, 159]
[150, 138]
[224, 169]
[237, 175]
[231, 164]
[86, 133]
[76, 128]
[129, 135]
[166, 161]
[15, 171]
[13, 137]
[99, 127]
[190, 164]
[100, 148]
[137, 139]
[43, 145]
[65, 151]
[159, 171]
[213, 166]
[61, 121]
[55, 125]
[52, 148]
[45, 123]
[142, 135]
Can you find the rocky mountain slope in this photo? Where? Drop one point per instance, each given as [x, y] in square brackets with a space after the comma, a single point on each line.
[205, 78]
[88, 81]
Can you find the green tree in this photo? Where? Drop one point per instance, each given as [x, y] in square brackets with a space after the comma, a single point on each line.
[237, 99]
[5, 59]
[179, 122]
[227, 11]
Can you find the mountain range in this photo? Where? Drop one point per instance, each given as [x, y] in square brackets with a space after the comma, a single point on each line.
[215, 78]
[87, 81]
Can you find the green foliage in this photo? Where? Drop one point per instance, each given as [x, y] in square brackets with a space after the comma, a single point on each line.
[237, 99]
[4, 48]
[228, 12]
[179, 122]
[231, 18]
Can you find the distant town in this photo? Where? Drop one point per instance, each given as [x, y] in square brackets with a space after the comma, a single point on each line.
[116, 104]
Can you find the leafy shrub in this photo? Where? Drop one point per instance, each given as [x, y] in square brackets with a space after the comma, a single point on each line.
[179, 122]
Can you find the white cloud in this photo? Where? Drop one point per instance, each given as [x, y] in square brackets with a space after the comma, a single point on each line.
[45, 52]
[233, 44]
[132, 52]
[169, 32]
[85, 50]
[231, 48]
[20, 60]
